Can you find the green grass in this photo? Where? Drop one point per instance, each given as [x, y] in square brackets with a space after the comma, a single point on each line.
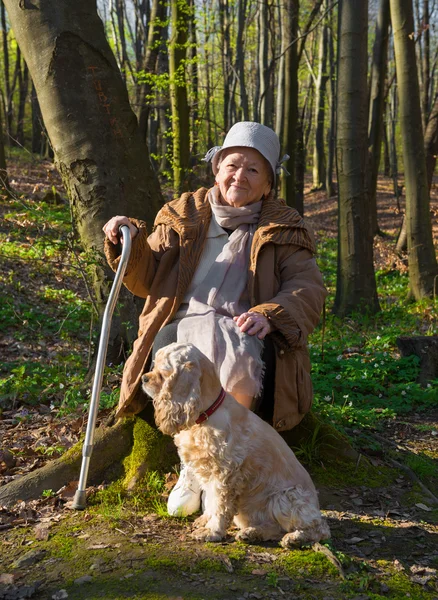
[358, 375]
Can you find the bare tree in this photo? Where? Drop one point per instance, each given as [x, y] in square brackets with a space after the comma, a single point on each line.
[423, 268]
[356, 284]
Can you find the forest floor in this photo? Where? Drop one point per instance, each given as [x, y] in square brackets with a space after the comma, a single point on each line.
[384, 522]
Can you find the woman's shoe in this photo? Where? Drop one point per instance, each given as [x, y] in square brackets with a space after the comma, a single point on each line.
[185, 498]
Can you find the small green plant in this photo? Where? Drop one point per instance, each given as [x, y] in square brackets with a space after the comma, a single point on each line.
[272, 578]
[48, 494]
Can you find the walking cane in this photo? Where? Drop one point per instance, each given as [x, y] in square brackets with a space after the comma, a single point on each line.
[79, 501]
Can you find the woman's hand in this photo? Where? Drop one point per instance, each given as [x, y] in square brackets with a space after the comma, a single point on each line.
[254, 323]
[112, 228]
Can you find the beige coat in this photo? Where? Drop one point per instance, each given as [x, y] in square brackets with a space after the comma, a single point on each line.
[284, 284]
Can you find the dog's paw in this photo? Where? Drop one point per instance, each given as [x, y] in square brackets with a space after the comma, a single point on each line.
[249, 535]
[201, 521]
[296, 539]
[207, 535]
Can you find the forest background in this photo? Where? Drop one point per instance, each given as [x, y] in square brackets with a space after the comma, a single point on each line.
[109, 109]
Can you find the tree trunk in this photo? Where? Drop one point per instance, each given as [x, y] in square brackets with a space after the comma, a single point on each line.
[379, 69]
[39, 134]
[331, 130]
[110, 446]
[194, 84]
[178, 95]
[289, 131]
[431, 143]
[425, 32]
[7, 82]
[240, 62]
[426, 348]
[102, 160]
[421, 253]
[356, 284]
[319, 161]
[392, 147]
[149, 66]
[23, 87]
[4, 182]
[263, 37]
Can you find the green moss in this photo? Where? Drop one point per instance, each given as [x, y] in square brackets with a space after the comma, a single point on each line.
[306, 563]
[236, 551]
[343, 473]
[151, 451]
[209, 565]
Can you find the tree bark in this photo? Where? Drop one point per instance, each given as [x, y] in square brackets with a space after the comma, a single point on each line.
[4, 182]
[431, 143]
[111, 445]
[319, 160]
[421, 253]
[289, 131]
[102, 160]
[178, 95]
[240, 62]
[149, 65]
[379, 69]
[356, 284]
[331, 130]
[23, 87]
[426, 348]
[425, 64]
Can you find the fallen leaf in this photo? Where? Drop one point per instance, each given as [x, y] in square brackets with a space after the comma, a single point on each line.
[423, 507]
[42, 532]
[354, 540]
[7, 578]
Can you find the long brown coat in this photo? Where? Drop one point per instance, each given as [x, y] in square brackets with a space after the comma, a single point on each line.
[284, 284]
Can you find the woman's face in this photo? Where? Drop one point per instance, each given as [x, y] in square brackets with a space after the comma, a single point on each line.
[244, 176]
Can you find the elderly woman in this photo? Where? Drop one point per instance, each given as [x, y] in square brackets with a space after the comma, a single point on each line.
[232, 270]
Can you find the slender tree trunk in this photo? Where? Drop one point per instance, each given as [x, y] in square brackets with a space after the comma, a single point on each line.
[431, 143]
[331, 130]
[279, 108]
[263, 36]
[386, 165]
[421, 253]
[319, 160]
[289, 133]
[102, 160]
[149, 66]
[425, 65]
[356, 284]
[4, 182]
[194, 83]
[8, 90]
[23, 88]
[391, 128]
[379, 70]
[38, 129]
[120, 13]
[227, 59]
[240, 61]
[178, 95]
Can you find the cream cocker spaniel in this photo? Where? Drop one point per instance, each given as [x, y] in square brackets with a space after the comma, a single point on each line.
[246, 469]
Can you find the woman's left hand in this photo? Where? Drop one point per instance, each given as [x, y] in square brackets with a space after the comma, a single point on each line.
[254, 323]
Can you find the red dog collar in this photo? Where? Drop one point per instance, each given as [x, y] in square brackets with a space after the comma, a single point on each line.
[210, 410]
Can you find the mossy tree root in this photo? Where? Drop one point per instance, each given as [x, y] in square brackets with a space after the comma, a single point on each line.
[111, 445]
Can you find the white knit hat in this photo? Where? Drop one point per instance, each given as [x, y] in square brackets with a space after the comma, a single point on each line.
[251, 135]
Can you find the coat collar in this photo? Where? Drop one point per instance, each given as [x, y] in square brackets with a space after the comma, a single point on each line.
[279, 223]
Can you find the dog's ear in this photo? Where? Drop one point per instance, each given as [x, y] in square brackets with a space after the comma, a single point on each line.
[179, 403]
